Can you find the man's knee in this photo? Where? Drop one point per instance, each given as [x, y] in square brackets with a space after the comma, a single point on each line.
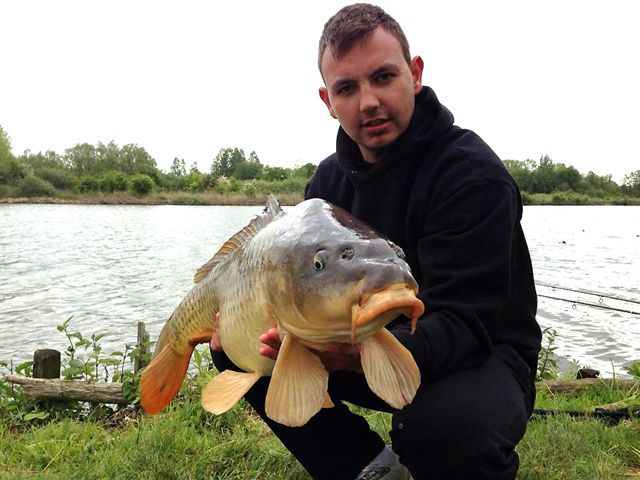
[463, 426]
[453, 445]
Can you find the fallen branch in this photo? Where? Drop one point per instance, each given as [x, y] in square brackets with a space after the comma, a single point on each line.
[567, 386]
[55, 389]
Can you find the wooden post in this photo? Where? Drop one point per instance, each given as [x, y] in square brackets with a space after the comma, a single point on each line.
[46, 363]
[143, 342]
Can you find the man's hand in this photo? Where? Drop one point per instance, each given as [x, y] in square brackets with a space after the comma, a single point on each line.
[334, 356]
[272, 343]
[215, 343]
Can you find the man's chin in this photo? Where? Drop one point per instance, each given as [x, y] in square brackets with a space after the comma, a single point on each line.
[372, 151]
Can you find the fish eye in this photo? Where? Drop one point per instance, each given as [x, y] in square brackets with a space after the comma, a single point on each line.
[320, 260]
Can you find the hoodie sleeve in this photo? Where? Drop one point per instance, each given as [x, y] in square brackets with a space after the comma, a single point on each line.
[464, 257]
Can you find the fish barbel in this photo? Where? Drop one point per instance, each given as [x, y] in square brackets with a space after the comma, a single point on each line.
[317, 274]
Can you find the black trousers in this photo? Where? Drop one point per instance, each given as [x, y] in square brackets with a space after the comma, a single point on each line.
[462, 426]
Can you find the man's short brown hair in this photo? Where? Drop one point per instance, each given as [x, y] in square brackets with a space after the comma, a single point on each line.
[353, 23]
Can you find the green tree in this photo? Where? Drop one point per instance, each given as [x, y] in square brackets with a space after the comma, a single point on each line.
[135, 159]
[107, 157]
[631, 183]
[11, 171]
[522, 172]
[276, 173]
[251, 169]
[81, 158]
[178, 167]
[226, 162]
[305, 171]
[5, 146]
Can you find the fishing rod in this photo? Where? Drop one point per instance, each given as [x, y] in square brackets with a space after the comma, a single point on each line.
[594, 305]
[586, 292]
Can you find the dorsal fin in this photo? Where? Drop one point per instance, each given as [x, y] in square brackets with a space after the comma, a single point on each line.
[271, 210]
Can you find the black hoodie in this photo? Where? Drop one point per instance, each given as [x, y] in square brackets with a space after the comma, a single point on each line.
[445, 197]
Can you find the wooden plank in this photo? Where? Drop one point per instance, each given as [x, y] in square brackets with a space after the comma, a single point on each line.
[56, 389]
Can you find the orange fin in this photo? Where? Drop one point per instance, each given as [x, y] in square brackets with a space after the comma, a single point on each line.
[327, 403]
[224, 390]
[390, 369]
[162, 379]
[298, 387]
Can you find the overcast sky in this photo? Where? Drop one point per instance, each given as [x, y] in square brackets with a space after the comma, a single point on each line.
[184, 79]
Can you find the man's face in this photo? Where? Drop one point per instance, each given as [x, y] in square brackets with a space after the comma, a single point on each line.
[371, 91]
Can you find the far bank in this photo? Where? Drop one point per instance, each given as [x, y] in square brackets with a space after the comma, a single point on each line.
[285, 198]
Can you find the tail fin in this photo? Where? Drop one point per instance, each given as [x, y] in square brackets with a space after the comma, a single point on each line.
[162, 378]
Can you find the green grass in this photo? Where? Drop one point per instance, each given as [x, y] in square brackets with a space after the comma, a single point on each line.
[184, 442]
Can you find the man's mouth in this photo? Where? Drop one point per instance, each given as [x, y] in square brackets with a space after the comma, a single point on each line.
[376, 126]
[376, 122]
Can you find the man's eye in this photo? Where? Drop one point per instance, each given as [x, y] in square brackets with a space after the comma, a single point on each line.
[346, 90]
[385, 77]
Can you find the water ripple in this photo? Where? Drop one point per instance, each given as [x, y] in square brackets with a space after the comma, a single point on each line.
[111, 266]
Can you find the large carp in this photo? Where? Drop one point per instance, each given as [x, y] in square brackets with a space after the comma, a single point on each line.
[318, 275]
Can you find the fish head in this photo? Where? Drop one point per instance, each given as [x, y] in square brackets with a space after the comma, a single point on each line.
[344, 280]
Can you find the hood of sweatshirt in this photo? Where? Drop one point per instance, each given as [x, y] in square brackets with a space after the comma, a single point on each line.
[429, 121]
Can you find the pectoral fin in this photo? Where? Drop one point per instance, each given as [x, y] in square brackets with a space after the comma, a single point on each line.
[224, 390]
[390, 369]
[298, 385]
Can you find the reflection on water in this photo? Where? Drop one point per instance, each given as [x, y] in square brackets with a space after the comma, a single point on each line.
[111, 266]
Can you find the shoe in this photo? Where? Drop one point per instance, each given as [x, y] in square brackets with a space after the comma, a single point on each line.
[385, 466]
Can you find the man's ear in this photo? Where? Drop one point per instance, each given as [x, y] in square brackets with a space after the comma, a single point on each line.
[416, 72]
[324, 95]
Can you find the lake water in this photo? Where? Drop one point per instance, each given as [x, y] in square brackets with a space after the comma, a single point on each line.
[112, 266]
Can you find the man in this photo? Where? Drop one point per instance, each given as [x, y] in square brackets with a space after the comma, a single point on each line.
[440, 193]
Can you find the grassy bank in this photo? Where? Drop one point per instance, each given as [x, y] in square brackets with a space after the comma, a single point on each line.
[211, 197]
[158, 198]
[184, 442]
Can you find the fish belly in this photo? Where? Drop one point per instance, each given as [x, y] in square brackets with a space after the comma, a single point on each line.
[244, 316]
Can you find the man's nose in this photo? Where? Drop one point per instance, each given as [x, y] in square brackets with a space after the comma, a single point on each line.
[368, 99]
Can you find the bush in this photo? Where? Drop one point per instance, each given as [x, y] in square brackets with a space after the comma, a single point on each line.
[86, 183]
[32, 186]
[113, 181]
[250, 190]
[141, 184]
[234, 185]
[569, 198]
[10, 171]
[58, 177]
[526, 198]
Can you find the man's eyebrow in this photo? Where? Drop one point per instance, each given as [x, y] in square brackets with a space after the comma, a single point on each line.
[341, 83]
[387, 67]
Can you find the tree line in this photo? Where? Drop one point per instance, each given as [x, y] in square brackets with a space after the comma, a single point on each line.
[566, 184]
[108, 168]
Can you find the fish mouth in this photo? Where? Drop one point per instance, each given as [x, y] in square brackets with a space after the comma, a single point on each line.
[396, 298]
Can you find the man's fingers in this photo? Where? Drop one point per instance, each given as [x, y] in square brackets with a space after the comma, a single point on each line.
[271, 340]
[215, 344]
[268, 352]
